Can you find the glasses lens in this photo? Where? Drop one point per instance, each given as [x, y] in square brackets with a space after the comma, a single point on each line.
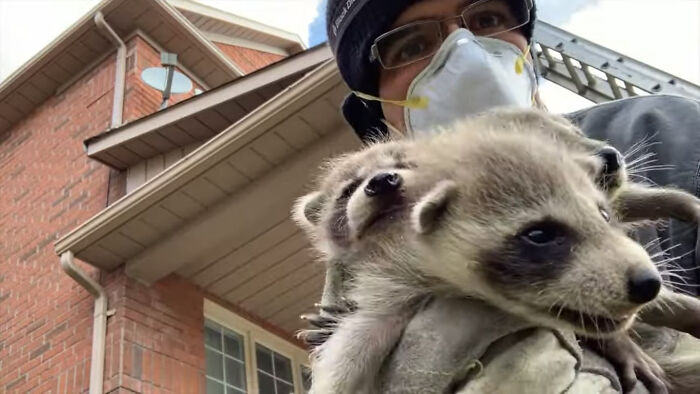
[408, 43]
[489, 17]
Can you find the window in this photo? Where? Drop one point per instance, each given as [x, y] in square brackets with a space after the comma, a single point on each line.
[274, 372]
[224, 359]
[242, 357]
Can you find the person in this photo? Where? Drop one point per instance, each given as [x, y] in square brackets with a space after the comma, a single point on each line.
[415, 64]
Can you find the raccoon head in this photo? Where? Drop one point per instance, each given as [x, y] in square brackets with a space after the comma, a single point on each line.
[323, 214]
[521, 223]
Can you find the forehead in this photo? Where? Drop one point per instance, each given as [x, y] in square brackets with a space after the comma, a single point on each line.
[427, 9]
[525, 173]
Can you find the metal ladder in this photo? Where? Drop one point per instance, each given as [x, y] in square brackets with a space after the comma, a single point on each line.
[597, 73]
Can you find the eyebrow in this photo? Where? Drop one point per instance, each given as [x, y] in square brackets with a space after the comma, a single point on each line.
[460, 6]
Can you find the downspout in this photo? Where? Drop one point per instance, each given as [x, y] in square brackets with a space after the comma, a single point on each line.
[120, 75]
[99, 325]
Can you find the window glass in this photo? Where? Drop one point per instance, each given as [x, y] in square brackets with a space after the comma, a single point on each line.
[235, 373]
[266, 383]
[215, 364]
[225, 361]
[283, 368]
[214, 387]
[233, 346]
[274, 371]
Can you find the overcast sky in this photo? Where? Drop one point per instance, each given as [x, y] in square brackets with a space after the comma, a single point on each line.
[663, 33]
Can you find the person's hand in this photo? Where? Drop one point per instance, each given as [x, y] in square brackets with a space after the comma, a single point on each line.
[630, 362]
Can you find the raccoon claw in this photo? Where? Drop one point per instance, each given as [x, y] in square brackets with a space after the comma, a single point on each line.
[631, 363]
[319, 321]
[333, 309]
[322, 326]
[314, 338]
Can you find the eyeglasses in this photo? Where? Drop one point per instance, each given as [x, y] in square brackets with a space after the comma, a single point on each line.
[419, 40]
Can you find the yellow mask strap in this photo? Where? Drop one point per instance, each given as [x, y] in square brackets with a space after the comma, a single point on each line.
[418, 102]
[520, 62]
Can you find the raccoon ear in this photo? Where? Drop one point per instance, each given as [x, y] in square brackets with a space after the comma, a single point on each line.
[307, 210]
[432, 206]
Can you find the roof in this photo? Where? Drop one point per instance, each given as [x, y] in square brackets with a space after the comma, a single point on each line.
[200, 117]
[219, 217]
[77, 49]
[224, 24]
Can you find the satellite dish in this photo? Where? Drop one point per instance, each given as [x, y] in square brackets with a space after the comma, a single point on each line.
[157, 78]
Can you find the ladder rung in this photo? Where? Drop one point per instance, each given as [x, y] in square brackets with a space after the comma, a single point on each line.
[589, 77]
[613, 85]
[538, 61]
[548, 56]
[572, 72]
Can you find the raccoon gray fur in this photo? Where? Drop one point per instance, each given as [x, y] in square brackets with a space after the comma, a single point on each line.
[393, 243]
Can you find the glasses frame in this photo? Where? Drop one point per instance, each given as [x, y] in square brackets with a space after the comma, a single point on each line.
[374, 49]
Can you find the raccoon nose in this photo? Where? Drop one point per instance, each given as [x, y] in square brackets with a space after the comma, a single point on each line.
[383, 183]
[643, 285]
[612, 159]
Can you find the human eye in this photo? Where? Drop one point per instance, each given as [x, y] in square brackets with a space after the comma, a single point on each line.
[409, 44]
[487, 20]
[410, 48]
[489, 17]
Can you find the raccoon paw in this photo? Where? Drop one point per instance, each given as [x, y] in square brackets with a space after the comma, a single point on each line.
[631, 363]
[314, 337]
[324, 323]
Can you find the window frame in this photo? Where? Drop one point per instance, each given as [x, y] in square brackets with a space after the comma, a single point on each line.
[252, 334]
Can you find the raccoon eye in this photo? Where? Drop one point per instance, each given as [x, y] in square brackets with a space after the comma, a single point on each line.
[350, 189]
[604, 214]
[544, 234]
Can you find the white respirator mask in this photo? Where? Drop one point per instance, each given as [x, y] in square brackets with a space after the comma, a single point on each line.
[469, 74]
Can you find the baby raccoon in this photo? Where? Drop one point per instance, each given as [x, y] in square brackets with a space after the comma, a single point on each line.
[509, 215]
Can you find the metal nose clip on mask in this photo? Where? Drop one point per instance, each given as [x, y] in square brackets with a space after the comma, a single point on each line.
[466, 76]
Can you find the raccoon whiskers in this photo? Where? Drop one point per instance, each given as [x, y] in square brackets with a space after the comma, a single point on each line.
[579, 309]
[644, 179]
[652, 242]
[677, 287]
[647, 168]
[641, 145]
[681, 269]
[646, 158]
[558, 303]
[669, 265]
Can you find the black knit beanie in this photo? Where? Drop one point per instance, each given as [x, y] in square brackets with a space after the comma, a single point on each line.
[352, 26]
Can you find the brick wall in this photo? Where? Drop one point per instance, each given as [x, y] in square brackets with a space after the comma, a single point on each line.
[139, 98]
[49, 186]
[155, 339]
[248, 59]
